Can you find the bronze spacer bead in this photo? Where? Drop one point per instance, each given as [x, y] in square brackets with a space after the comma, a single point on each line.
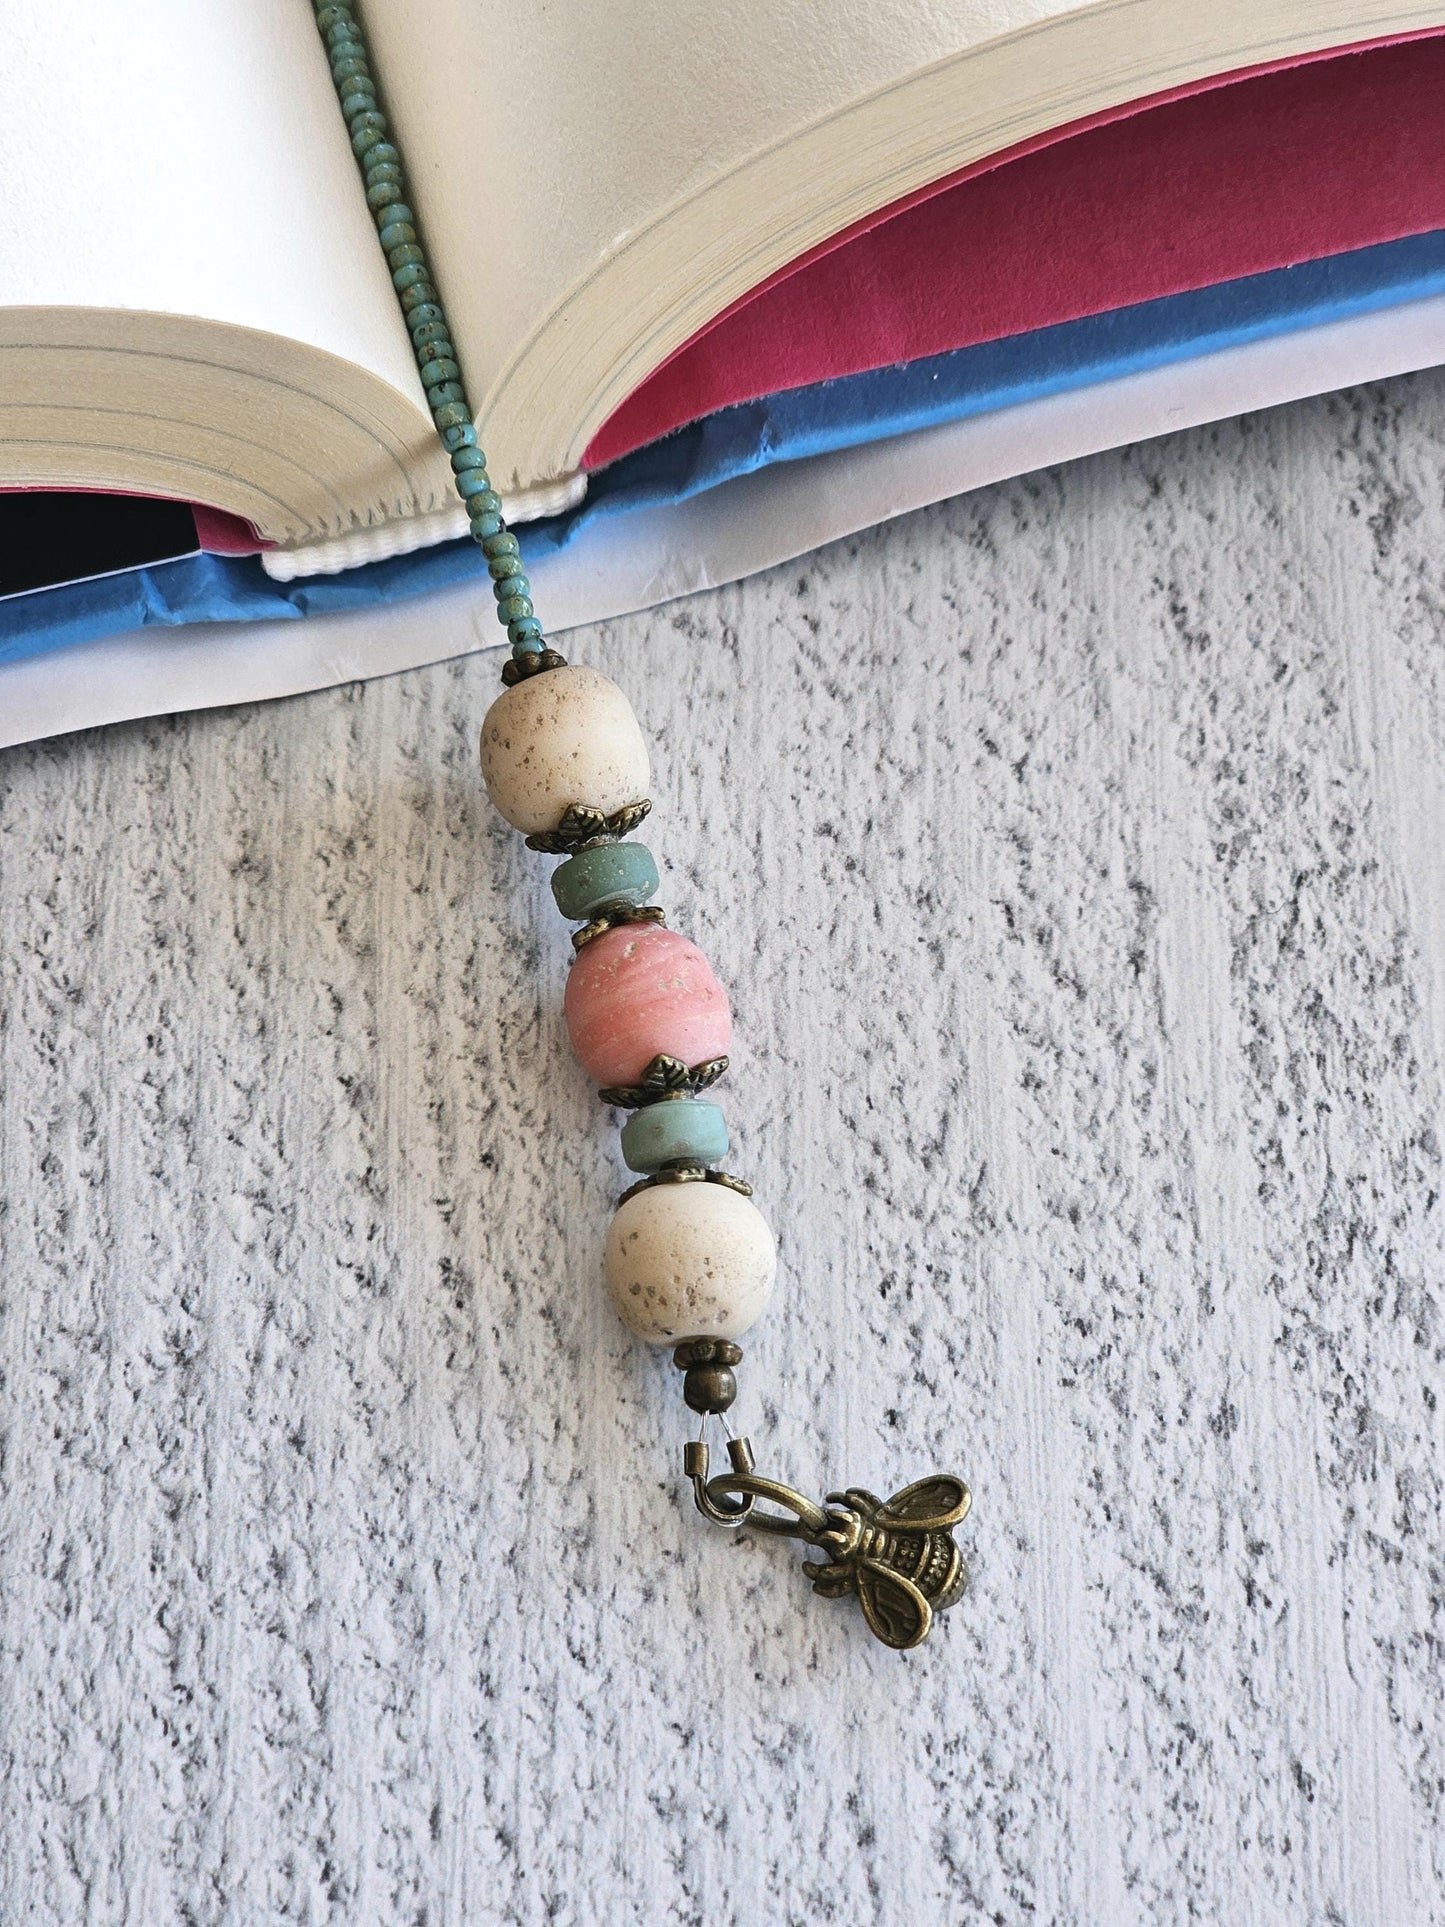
[706, 1351]
[709, 1388]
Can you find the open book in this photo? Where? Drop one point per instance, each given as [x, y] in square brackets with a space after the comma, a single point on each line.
[193, 303]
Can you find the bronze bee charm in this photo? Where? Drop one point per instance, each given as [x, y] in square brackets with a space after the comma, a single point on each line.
[898, 1555]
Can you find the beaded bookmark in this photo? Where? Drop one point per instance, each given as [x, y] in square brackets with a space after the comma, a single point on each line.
[690, 1259]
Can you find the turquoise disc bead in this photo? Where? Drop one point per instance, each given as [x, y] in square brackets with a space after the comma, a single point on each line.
[678, 1130]
[608, 874]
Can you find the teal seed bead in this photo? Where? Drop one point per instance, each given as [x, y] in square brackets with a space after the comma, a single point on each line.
[680, 1130]
[353, 69]
[440, 392]
[529, 645]
[425, 314]
[497, 546]
[327, 17]
[473, 481]
[424, 333]
[385, 194]
[404, 256]
[507, 568]
[442, 369]
[396, 234]
[344, 52]
[360, 94]
[409, 277]
[463, 435]
[607, 876]
[383, 171]
[423, 295]
[465, 461]
[507, 588]
[513, 607]
[382, 155]
[488, 503]
[343, 27]
[451, 415]
[371, 129]
[483, 525]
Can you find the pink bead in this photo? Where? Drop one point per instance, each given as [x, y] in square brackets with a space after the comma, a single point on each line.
[640, 991]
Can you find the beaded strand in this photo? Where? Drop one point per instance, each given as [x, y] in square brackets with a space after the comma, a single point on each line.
[690, 1260]
[565, 762]
[436, 358]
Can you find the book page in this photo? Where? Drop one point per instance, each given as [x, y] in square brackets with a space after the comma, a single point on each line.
[600, 178]
[542, 134]
[187, 157]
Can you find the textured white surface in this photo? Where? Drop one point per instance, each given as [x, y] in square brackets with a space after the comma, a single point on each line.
[1074, 854]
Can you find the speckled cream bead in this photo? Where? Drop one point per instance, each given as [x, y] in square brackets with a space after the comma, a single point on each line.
[689, 1261]
[562, 737]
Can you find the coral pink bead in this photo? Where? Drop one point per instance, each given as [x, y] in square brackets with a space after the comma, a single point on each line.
[640, 991]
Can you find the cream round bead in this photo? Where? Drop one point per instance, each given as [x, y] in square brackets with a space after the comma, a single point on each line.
[692, 1260]
[560, 737]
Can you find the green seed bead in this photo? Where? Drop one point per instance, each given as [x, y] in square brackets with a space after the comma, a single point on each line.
[679, 1130]
[442, 369]
[397, 234]
[385, 194]
[451, 414]
[327, 17]
[404, 256]
[352, 69]
[515, 606]
[602, 878]
[496, 546]
[383, 171]
[347, 48]
[366, 131]
[483, 525]
[342, 26]
[383, 155]
[360, 94]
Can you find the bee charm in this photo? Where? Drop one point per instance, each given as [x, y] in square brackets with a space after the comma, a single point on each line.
[898, 1555]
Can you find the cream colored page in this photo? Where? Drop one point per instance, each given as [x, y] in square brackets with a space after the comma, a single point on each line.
[599, 178]
[541, 133]
[188, 156]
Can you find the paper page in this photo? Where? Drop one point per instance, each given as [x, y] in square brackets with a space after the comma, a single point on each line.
[600, 177]
[188, 156]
